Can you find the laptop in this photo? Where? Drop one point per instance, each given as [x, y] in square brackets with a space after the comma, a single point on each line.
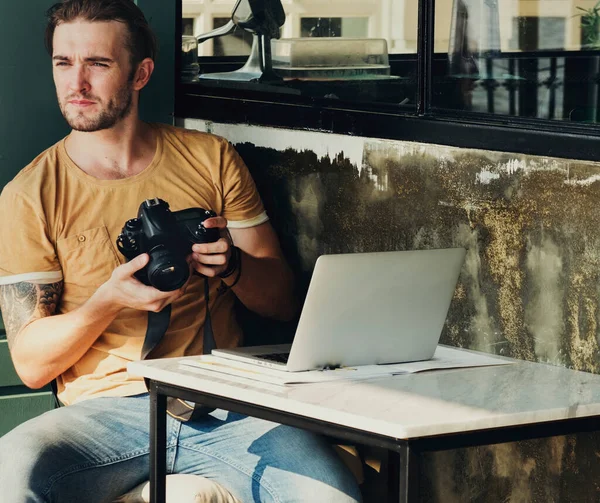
[365, 309]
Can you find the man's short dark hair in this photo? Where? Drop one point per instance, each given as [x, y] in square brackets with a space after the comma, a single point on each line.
[141, 41]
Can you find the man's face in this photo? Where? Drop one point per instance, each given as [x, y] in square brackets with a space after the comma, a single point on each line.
[92, 70]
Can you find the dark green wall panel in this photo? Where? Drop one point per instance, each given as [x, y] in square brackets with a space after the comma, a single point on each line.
[15, 409]
[158, 99]
[8, 376]
[30, 120]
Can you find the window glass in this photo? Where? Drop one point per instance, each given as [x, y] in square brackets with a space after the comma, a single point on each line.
[187, 26]
[336, 50]
[237, 43]
[527, 58]
[351, 27]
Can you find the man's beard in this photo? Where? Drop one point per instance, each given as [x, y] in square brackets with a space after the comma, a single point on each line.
[117, 109]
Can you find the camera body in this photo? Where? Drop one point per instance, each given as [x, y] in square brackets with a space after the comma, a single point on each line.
[167, 237]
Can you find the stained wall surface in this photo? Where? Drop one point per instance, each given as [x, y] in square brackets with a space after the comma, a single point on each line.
[529, 287]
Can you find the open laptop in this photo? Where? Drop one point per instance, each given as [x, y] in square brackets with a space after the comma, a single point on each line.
[365, 309]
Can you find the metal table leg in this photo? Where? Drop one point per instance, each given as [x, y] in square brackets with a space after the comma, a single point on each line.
[409, 473]
[403, 475]
[158, 444]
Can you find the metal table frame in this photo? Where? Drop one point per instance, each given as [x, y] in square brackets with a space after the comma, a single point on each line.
[404, 454]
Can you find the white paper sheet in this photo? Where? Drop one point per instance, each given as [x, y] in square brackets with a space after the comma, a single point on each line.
[444, 358]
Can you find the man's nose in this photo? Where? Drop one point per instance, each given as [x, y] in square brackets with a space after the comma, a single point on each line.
[79, 80]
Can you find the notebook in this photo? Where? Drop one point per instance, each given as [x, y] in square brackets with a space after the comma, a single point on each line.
[365, 309]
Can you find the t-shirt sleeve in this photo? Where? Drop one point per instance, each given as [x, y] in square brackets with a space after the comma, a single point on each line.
[26, 251]
[243, 206]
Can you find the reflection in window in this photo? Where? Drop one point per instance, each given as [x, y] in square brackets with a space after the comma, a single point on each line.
[393, 20]
[527, 58]
[504, 57]
[532, 33]
[187, 26]
[237, 43]
[357, 70]
[349, 27]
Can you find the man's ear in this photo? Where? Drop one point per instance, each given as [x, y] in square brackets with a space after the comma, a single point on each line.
[143, 74]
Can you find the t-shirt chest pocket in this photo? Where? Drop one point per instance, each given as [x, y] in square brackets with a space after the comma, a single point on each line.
[87, 258]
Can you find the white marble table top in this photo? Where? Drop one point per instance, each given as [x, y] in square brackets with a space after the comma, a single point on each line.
[416, 405]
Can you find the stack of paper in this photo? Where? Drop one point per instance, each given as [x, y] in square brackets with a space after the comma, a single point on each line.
[444, 358]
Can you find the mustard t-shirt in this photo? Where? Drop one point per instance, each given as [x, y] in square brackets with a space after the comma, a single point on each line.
[60, 223]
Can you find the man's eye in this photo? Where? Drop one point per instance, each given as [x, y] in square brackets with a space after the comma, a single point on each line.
[60, 63]
[100, 64]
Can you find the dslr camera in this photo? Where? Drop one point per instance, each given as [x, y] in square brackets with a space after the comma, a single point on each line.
[167, 237]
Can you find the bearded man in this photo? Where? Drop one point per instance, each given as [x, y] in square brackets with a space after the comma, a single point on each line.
[76, 314]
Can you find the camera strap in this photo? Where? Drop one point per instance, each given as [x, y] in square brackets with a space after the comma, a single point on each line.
[158, 323]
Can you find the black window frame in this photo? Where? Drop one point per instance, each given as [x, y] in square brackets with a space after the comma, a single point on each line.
[260, 106]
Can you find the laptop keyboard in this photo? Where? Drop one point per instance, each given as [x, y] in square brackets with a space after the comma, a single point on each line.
[275, 357]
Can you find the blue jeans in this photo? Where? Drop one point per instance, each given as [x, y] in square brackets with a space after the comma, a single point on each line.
[96, 450]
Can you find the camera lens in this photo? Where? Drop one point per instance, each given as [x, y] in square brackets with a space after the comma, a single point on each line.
[167, 271]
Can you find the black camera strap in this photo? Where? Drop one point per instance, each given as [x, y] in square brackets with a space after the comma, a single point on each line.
[158, 323]
[157, 327]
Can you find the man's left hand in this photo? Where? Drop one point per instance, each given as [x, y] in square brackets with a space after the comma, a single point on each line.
[211, 259]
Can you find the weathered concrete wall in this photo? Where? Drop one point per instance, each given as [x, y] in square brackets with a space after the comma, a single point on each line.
[529, 287]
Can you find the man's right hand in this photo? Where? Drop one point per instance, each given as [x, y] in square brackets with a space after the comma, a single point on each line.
[124, 290]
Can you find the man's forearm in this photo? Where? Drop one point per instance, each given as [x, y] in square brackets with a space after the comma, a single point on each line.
[48, 346]
[265, 286]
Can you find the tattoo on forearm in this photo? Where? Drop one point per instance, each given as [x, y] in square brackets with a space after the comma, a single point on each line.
[21, 302]
[48, 298]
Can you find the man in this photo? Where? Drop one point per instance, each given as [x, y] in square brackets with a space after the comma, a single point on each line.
[74, 311]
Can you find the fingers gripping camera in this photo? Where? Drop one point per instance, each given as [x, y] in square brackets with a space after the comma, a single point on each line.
[167, 237]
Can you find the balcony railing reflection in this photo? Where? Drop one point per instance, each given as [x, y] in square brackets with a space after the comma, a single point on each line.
[560, 85]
